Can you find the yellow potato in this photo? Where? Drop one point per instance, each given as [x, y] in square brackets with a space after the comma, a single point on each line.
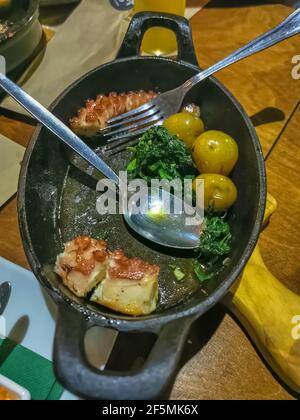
[185, 126]
[220, 193]
[5, 3]
[215, 152]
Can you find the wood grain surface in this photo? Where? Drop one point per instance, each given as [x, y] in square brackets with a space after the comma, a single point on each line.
[219, 360]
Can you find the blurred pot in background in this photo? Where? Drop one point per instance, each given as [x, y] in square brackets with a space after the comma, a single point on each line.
[56, 2]
[20, 31]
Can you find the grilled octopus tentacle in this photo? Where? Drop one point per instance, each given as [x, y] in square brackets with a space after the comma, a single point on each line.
[91, 119]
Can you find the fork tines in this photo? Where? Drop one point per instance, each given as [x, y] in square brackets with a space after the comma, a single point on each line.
[122, 130]
[122, 141]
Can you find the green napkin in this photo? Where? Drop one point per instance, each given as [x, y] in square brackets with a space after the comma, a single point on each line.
[29, 370]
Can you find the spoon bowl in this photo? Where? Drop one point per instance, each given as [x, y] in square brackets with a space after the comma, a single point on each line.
[165, 219]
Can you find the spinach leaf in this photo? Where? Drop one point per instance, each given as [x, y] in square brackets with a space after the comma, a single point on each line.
[202, 273]
[179, 274]
[216, 238]
[161, 155]
[215, 247]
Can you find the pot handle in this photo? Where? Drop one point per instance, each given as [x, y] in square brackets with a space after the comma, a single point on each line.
[141, 22]
[77, 375]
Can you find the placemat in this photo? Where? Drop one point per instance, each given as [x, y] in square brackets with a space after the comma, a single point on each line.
[29, 370]
[11, 155]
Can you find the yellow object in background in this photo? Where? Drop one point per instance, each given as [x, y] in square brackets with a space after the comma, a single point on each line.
[160, 41]
[5, 3]
[270, 313]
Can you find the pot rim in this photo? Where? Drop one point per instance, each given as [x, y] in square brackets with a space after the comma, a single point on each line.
[156, 320]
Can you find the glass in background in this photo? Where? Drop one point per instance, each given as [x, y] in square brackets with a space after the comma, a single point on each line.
[160, 41]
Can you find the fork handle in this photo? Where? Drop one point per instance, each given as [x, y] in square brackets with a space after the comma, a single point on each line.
[288, 28]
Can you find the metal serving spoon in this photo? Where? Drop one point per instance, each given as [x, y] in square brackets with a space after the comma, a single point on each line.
[170, 230]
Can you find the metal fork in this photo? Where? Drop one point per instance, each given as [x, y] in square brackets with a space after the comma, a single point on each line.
[122, 129]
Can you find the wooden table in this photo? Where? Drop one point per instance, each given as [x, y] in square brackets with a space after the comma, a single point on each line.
[220, 362]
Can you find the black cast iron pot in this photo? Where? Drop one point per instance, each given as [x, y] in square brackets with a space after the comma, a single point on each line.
[57, 201]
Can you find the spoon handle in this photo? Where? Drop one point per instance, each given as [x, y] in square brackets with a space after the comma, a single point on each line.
[57, 127]
[289, 27]
[5, 292]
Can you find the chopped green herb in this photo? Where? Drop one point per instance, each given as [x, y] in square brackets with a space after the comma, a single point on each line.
[131, 166]
[214, 249]
[161, 155]
[201, 272]
[178, 273]
[215, 240]
[226, 262]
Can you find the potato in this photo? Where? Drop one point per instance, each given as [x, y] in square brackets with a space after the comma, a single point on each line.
[185, 126]
[220, 193]
[215, 152]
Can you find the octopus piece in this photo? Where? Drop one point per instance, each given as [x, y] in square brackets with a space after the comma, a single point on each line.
[96, 113]
[130, 286]
[83, 264]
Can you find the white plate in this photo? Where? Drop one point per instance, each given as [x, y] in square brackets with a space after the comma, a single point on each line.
[20, 392]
